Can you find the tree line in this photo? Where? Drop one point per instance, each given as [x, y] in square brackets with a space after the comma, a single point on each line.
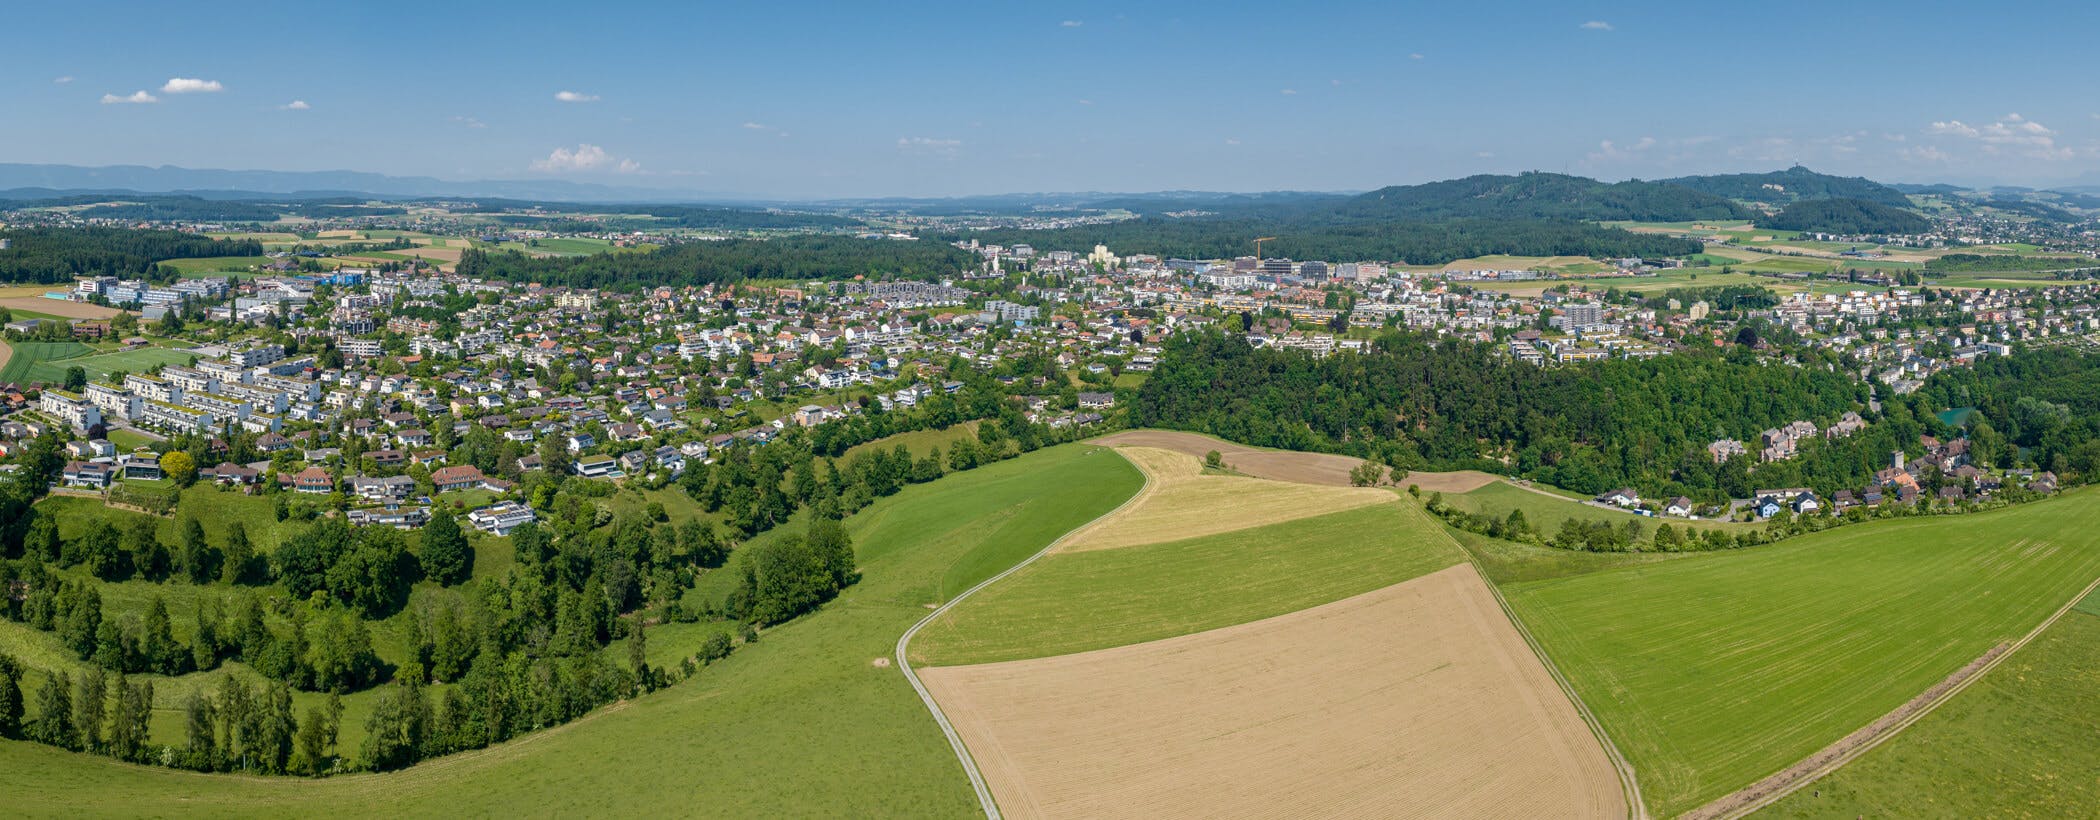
[58, 255]
[731, 260]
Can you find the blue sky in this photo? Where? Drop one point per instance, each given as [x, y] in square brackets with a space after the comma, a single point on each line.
[936, 98]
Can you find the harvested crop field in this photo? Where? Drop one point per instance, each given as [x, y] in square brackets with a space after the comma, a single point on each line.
[1181, 502]
[58, 307]
[1460, 481]
[1279, 465]
[1417, 699]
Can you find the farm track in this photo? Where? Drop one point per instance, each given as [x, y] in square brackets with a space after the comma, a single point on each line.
[1770, 790]
[903, 658]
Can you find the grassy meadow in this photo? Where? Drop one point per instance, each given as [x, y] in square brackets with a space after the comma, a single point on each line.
[1712, 671]
[808, 721]
[2017, 742]
[1094, 599]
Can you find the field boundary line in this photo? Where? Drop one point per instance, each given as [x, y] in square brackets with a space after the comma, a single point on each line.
[962, 753]
[1629, 784]
[1788, 781]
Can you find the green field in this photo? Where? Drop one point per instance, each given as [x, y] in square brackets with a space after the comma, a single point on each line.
[918, 442]
[196, 266]
[1508, 562]
[28, 356]
[99, 366]
[1094, 599]
[802, 723]
[1546, 513]
[2018, 742]
[1712, 671]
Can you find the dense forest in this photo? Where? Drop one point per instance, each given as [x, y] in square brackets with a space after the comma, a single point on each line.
[2045, 403]
[1845, 216]
[57, 255]
[1418, 243]
[699, 217]
[700, 263]
[1793, 184]
[1978, 262]
[1417, 404]
[1538, 195]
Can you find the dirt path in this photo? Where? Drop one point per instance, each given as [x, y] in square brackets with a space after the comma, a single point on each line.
[1830, 758]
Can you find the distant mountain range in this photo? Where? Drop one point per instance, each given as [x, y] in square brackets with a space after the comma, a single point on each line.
[1792, 185]
[29, 181]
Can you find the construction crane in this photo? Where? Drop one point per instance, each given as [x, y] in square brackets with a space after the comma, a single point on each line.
[1257, 245]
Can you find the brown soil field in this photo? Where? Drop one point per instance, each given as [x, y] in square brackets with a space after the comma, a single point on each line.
[1180, 502]
[1417, 700]
[1280, 465]
[70, 310]
[6, 353]
[1461, 481]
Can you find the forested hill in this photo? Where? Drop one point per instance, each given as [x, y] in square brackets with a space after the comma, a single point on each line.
[1792, 185]
[1415, 243]
[1537, 195]
[1419, 403]
[56, 255]
[1846, 216]
[701, 263]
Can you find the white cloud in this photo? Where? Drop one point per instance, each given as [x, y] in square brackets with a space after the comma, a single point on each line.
[1086, 102]
[756, 126]
[575, 97]
[191, 85]
[1596, 25]
[1231, 141]
[1072, 23]
[1923, 153]
[1954, 127]
[1610, 151]
[69, 78]
[1289, 91]
[295, 105]
[929, 145]
[469, 122]
[2012, 133]
[137, 97]
[1336, 83]
[1415, 56]
[584, 158]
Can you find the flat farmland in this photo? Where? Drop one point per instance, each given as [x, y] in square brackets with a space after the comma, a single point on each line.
[1713, 671]
[1182, 502]
[2019, 742]
[1259, 462]
[1419, 698]
[58, 307]
[1079, 601]
[27, 357]
[99, 366]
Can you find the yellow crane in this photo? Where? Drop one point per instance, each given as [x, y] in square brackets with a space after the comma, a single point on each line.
[1257, 245]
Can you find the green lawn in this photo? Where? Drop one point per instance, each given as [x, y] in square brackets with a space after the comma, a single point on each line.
[28, 355]
[1715, 670]
[918, 442]
[1077, 601]
[802, 723]
[1546, 514]
[2018, 742]
[1508, 562]
[99, 366]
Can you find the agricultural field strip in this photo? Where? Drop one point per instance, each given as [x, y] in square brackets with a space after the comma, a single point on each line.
[1181, 502]
[1636, 808]
[903, 658]
[1799, 780]
[1427, 695]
